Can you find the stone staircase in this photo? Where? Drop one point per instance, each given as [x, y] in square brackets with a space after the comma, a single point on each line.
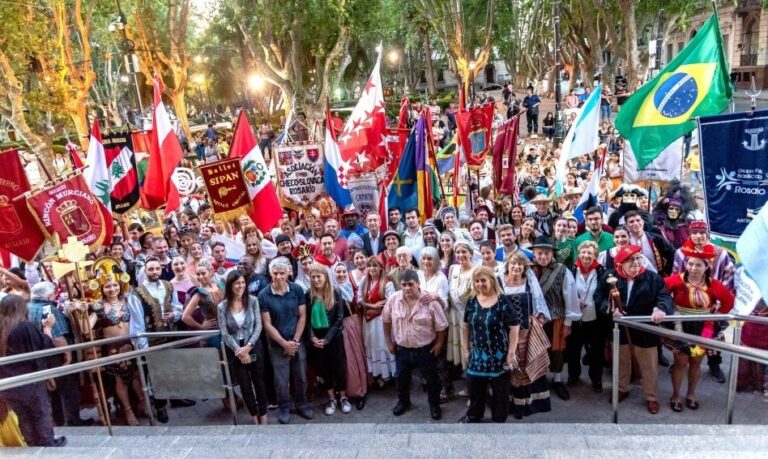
[541, 440]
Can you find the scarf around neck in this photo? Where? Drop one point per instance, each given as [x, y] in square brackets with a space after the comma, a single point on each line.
[587, 269]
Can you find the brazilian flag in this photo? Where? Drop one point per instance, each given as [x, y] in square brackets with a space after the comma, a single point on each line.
[695, 83]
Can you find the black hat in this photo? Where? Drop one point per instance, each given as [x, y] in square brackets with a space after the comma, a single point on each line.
[282, 238]
[543, 242]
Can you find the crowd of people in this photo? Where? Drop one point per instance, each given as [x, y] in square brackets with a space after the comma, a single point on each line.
[498, 303]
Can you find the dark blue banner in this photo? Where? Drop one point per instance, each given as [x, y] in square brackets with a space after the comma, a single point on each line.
[734, 165]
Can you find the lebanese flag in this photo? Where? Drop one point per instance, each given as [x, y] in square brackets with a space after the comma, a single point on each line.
[98, 178]
[164, 155]
[266, 210]
[77, 163]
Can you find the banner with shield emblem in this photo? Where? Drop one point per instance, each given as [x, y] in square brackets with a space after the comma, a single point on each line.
[300, 174]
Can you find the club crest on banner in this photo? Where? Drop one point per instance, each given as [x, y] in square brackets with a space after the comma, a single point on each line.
[300, 174]
[186, 181]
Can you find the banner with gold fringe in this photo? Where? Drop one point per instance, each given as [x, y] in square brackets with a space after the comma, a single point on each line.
[227, 192]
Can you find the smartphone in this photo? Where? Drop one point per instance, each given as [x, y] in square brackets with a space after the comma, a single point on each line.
[46, 311]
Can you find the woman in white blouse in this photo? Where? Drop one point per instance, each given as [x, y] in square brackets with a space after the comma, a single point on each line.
[435, 282]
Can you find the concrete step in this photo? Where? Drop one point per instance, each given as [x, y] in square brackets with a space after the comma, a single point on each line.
[411, 440]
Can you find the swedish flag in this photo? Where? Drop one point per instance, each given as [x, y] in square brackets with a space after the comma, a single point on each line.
[695, 83]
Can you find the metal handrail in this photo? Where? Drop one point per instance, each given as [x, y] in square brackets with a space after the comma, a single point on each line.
[63, 370]
[735, 349]
[90, 344]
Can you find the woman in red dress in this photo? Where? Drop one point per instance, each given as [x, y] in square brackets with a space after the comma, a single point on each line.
[695, 292]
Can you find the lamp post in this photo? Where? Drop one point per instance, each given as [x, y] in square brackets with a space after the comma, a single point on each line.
[393, 56]
[558, 66]
[127, 47]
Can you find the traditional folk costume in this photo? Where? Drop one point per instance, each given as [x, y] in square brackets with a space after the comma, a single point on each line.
[721, 267]
[670, 214]
[692, 299]
[354, 344]
[530, 388]
[380, 362]
[460, 290]
[559, 290]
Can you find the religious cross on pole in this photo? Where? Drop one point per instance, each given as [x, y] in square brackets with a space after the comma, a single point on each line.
[753, 93]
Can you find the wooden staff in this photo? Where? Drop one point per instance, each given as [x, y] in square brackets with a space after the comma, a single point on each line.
[101, 395]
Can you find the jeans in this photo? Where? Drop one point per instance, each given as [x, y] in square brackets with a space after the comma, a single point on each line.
[250, 377]
[605, 113]
[33, 407]
[407, 359]
[695, 180]
[477, 386]
[289, 369]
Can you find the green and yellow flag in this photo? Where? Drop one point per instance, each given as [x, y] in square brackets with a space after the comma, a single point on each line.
[695, 83]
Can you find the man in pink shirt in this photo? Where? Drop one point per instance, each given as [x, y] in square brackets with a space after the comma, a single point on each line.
[414, 328]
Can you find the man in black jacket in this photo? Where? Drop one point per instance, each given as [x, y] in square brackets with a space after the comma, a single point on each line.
[373, 240]
[639, 293]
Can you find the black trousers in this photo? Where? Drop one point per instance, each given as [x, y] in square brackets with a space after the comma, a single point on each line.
[33, 407]
[250, 377]
[408, 359]
[331, 364]
[477, 386]
[65, 400]
[592, 335]
[533, 122]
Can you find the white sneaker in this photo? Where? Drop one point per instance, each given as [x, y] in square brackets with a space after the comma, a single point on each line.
[330, 408]
[346, 407]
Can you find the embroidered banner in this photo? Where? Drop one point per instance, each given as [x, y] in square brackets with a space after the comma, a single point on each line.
[474, 131]
[734, 165]
[19, 233]
[300, 174]
[226, 188]
[365, 193]
[121, 161]
[69, 209]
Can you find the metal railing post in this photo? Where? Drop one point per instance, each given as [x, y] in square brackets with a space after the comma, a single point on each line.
[145, 390]
[229, 384]
[733, 376]
[615, 374]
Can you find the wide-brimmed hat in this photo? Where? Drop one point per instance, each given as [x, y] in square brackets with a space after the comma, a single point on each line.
[627, 188]
[350, 210]
[543, 242]
[540, 198]
[706, 253]
[573, 191]
[390, 233]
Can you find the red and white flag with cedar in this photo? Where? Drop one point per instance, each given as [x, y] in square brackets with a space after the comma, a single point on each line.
[98, 177]
[266, 210]
[363, 141]
[164, 155]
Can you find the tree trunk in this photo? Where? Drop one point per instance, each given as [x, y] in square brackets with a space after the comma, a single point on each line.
[428, 71]
[630, 33]
[180, 107]
[79, 117]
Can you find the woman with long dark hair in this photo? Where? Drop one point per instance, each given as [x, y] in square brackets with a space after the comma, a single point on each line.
[30, 403]
[326, 316]
[240, 324]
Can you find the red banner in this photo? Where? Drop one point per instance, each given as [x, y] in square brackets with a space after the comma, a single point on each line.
[69, 209]
[475, 133]
[228, 194]
[19, 233]
[504, 155]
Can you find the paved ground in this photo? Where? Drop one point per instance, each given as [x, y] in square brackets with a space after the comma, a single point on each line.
[584, 407]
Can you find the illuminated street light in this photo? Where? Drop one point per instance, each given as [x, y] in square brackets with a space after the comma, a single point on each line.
[255, 82]
[393, 56]
[198, 79]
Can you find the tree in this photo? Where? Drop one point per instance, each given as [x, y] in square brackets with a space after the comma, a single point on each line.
[468, 46]
[298, 46]
[161, 32]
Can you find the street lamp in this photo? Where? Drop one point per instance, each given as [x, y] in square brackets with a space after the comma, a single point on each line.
[393, 56]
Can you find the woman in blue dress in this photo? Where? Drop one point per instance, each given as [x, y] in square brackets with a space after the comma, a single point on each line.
[491, 327]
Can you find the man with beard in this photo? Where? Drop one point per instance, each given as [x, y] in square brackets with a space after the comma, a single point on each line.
[508, 244]
[559, 290]
[154, 308]
[352, 223]
[326, 257]
[593, 218]
[413, 237]
[254, 282]
[339, 243]
[431, 238]
[394, 217]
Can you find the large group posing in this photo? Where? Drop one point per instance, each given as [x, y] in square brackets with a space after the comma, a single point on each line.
[492, 300]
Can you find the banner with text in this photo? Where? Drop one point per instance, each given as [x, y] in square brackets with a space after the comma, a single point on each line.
[18, 229]
[300, 174]
[734, 165]
[365, 193]
[70, 209]
[226, 188]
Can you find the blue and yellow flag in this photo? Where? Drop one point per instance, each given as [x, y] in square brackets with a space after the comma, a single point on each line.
[695, 83]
